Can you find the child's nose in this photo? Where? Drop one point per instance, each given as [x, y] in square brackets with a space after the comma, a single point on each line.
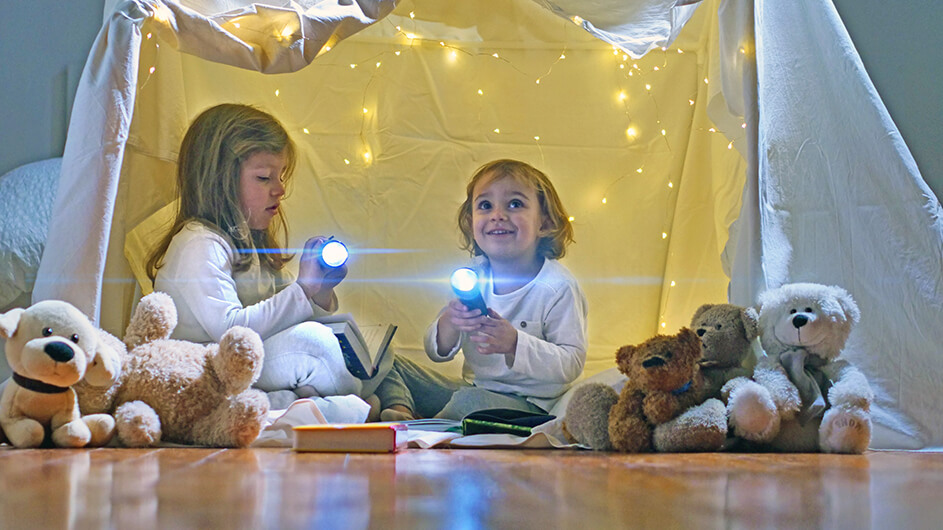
[498, 213]
[279, 189]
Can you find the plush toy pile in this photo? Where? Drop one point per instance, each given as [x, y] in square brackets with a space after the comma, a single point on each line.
[802, 396]
[50, 347]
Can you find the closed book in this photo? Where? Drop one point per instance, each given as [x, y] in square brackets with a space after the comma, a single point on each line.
[364, 347]
[351, 437]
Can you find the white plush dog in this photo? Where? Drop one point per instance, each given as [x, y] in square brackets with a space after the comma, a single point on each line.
[807, 398]
[50, 346]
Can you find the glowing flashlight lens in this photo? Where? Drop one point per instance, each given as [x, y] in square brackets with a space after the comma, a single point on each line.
[334, 254]
[464, 280]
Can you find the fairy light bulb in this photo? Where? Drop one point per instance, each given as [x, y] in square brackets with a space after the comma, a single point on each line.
[467, 288]
[305, 130]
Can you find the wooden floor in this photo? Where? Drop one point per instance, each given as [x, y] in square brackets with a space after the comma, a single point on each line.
[276, 488]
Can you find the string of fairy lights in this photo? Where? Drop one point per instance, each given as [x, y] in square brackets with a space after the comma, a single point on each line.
[412, 40]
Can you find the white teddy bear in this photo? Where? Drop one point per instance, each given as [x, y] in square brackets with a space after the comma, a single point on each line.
[803, 396]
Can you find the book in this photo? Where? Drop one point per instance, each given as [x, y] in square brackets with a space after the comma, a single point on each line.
[351, 437]
[364, 347]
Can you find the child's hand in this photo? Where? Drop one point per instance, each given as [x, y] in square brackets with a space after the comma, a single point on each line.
[454, 320]
[496, 335]
[316, 279]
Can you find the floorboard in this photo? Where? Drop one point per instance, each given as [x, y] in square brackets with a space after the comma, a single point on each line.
[277, 488]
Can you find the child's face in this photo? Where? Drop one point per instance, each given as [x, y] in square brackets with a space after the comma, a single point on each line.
[506, 220]
[261, 187]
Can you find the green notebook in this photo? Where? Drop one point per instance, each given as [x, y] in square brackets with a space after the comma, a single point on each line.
[503, 421]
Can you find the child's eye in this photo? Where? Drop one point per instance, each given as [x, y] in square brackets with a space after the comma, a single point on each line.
[516, 203]
[263, 178]
[484, 205]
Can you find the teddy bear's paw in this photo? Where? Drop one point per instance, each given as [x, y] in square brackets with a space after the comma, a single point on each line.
[101, 427]
[25, 433]
[73, 434]
[845, 431]
[752, 414]
[238, 362]
[137, 425]
[630, 435]
[701, 428]
[154, 318]
[587, 415]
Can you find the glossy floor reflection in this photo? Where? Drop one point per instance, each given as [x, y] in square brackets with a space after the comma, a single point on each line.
[276, 488]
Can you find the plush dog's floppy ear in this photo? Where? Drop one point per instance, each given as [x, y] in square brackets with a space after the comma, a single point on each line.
[105, 365]
[847, 304]
[9, 322]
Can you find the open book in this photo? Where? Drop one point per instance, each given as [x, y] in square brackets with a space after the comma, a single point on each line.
[364, 347]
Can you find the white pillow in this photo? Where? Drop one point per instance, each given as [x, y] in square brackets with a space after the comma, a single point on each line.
[26, 197]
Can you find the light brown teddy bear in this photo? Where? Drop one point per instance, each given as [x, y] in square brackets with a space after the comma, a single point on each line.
[663, 380]
[50, 347]
[183, 392]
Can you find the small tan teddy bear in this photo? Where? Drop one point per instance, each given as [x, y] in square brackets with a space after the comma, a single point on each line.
[50, 347]
[663, 380]
[179, 391]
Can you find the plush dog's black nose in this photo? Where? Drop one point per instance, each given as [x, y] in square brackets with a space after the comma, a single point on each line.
[799, 320]
[700, 332]
[59, 351]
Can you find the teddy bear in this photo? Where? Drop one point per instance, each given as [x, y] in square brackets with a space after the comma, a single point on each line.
[179, 391]
[664, 379]
[50, 347]
[727, 333]
[814, 399]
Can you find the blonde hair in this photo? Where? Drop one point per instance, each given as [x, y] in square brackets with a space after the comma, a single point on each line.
[557, 232]
[212, 152]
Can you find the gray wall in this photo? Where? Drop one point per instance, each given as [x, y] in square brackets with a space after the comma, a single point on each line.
[44, 43]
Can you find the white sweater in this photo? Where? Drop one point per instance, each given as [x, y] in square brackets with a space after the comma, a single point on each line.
[210, 298]
[550, 316]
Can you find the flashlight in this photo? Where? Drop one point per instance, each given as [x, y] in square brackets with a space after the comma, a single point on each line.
[334, 254]
[466, 287]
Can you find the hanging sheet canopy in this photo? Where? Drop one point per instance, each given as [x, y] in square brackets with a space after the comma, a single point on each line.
[638, 111]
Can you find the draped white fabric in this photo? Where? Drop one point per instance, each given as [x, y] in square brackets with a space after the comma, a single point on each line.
[830, 192]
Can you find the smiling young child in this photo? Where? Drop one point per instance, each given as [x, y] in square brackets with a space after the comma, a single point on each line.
[531, 346]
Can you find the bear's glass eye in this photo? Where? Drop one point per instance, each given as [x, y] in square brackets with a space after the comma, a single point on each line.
[792, 311]
[668, 355]
[808, 310]
[74, 338]
[718, 326]
[47, 332]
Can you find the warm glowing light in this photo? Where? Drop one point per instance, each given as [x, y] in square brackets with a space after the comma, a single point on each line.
[378, 64]
[480, 93]
[453, 55]
[648, 87]
[577, 20]
[352, 65]
[538, 81]
[639, 170]
[631, 132]
[663, 324]
[615, 51]
[152, 69]
[396, 53]
[625, 57]
[495, 55]
[730, 145]
[672, 283]
[497, 131]
[663, 132]
[537, 138]
[680, 50]
[571, 218]
[655, 69]
[162, 14]
[712, 129]
[604, 200]
[236, 25]
[691, 102]
[743, 50]
[563, 56]
[743, 125]
[149, 35]
[622, 96]
[366, 156]
[622, 67]
[410, 36]
[287, 32]
[365, 110]
[441, 43]
[706, 81]
[306, 131]
[412, 14]
[664, 49]
[276, 92]
[346, 161]
[671, 184]
[327, 48]
[664, 235]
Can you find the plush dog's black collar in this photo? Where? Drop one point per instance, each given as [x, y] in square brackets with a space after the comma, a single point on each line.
[38, 386]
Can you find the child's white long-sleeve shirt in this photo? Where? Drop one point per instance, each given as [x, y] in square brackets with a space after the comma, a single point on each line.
[549, 314]
[211, 298]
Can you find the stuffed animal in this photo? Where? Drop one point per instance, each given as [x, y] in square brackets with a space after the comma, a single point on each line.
[183, 392]
[663, 380]
[727, 333]
[50, 347]
[822, 401]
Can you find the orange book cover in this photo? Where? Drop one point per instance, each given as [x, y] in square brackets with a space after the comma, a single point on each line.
[351, 437]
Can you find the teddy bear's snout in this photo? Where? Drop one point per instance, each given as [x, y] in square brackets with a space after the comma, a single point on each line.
[653, 362]
[799, 320]
[59, 352]
[701, 332]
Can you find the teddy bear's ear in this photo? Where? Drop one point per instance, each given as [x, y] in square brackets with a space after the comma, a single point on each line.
[105, 366]
[700, 311]
[751, 322]
[847, 304]
[623, 355]
[9, 322]
[690, 339]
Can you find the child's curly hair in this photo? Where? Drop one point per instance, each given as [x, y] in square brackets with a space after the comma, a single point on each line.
[557, 232]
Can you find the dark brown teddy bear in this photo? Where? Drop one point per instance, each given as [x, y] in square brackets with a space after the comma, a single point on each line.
[664, 379]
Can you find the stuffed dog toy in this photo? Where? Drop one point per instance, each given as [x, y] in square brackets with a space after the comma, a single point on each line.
[51, 346]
